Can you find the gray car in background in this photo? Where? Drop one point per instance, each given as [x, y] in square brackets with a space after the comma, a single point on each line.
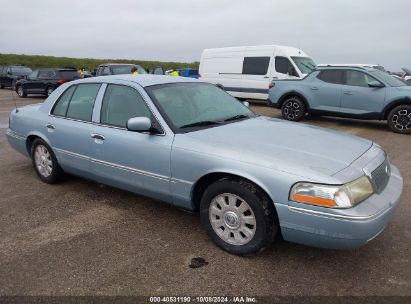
[352, 92]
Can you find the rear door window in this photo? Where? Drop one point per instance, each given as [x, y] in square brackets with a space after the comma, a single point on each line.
[106, 71]
[82, 101]
[68, 75]
[332, 76]
[256, 65]
[121, 103]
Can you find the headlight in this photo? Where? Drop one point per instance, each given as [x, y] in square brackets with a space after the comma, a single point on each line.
[339, 196]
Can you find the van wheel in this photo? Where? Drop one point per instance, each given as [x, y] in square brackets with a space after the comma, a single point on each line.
[293, 109]
[20, 91]
[399, 119]
[238, 216]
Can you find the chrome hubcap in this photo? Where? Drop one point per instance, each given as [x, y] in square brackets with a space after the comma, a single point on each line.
[20, 91]
[232, 219]
[49, 91]
[42, 160]
[292, 109]
[402, 120]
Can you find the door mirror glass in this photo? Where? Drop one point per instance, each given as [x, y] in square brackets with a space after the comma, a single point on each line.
[139, 124]
[375, 84]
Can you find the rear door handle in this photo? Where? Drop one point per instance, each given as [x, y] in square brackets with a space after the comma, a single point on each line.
[314, 88]
[50, 126]
[98, 136]
[348, 93]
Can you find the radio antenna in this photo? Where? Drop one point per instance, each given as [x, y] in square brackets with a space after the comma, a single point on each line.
[14, 100]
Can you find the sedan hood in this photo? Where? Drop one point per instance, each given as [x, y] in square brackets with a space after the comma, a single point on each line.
[287, 146]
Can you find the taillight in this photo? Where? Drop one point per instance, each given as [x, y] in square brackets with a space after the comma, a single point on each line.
[271, 85]
[61, 81]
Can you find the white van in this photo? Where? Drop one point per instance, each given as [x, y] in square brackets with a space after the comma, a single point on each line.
[247, 71]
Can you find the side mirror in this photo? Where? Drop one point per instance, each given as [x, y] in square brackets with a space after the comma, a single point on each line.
[246, 103]
[139, 124]
[375, 84]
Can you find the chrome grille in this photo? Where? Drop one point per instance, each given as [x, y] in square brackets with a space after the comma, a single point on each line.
[381, 175]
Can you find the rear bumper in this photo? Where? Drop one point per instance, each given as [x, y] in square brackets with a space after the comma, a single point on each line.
[17, 142]
[342, 231]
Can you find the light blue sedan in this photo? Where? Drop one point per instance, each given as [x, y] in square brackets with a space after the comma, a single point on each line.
[192, 145]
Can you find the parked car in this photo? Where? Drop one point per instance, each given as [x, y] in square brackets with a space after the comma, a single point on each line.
[188, 72]
[45, 81]
[246, 72]
[10, 74]
[118, 69]
[193, 145]
[351, 92]
[406, 75]
[158, 71]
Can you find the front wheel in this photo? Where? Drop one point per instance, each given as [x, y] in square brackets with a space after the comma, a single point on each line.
[45, 162]
[238, 216]
[399, 119]
[293, 109]
[20, 91]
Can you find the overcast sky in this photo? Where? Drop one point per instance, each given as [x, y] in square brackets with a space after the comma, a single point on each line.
[330, 31]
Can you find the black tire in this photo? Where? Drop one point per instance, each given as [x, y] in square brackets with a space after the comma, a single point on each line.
[56, 173]
[399, 119]
[259, 206]
[1, 86]
[293, 109]
[49, 90]
[20, 91]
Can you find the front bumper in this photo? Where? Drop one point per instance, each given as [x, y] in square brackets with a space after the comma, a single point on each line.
[344, 228]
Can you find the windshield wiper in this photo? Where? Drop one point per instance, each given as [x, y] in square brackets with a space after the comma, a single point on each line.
[237, 117]
[200, 123]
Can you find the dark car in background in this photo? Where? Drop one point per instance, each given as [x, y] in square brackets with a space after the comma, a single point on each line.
[9, 74]
[188, 72]
[118, 69]
[45, 81]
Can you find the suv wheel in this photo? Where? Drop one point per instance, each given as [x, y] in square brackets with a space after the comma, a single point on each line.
[45, 162]
[238, 216]
[49, 90]
[20, 91]
[399, 119]
[293, 109]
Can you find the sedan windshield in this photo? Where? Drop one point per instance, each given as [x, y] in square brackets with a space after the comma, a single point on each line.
[188, 105]
[126, 69]
[305, 64]
[391, 80]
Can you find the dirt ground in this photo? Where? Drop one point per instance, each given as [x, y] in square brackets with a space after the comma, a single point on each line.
[82, 238]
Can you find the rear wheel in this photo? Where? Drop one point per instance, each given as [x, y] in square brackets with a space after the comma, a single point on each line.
[49, 90]
[293, 109]
[238, 216]
[45, 162]
[20, 91]
[399, 119]
[1, 86]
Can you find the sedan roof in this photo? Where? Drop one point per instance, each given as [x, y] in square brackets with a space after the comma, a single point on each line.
[143, 80]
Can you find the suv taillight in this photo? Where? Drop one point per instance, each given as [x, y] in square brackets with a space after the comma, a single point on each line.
[61, 81]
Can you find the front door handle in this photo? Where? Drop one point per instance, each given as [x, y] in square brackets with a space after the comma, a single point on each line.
[98, 136]
[314, 88]
[348, 93]
[50, 126]
[266, 77]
